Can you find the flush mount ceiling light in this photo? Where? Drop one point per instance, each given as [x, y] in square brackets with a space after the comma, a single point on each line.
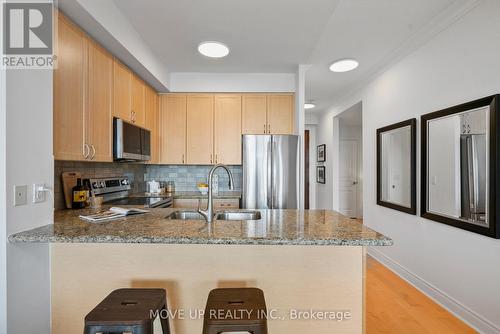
[344, 65]
[213, 49]
[309, 105]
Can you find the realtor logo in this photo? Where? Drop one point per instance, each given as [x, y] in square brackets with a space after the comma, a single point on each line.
[27, 35]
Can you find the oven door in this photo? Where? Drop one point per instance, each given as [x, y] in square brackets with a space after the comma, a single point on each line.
[127, 141]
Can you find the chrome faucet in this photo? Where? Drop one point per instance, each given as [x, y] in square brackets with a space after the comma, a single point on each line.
[209, 213]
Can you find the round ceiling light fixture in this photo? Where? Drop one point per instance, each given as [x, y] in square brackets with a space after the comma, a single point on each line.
[213, 49]
[344, 65]
[309, 106]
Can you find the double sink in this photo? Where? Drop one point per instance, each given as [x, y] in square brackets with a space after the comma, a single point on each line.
[223, 215]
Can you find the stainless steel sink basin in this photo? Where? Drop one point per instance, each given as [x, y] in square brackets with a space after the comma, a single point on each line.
[238, 215]
[224, 215]
[185, 215]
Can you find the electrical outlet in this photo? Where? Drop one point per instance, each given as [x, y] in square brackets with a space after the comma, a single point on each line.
[38, 193]
[20, 195]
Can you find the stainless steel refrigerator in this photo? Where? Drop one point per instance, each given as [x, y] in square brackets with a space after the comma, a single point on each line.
[270, 172]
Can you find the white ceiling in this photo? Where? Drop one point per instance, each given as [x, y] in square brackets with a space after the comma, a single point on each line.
[274, 36]
[371, 32]
[263, 35]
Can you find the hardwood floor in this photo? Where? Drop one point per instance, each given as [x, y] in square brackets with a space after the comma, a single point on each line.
[393, 306]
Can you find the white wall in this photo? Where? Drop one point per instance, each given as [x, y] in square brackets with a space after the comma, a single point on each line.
[3, 214]
[29, 159]
[459, 268]
[444, 166]
[232, 82]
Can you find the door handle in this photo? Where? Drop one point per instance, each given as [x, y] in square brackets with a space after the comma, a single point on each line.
[354, 183]
[85, 146]
[93, 152]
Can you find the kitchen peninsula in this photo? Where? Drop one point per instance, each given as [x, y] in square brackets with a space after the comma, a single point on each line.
[302, 260]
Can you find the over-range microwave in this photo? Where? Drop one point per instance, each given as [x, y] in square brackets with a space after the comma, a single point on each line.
[130, 142]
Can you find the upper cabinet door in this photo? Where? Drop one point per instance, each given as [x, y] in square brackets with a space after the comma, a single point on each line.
[227, 135]
[122, 107]
[69, 93]
[254, 114]
[152, 119]
[100, 99]
[200, 129]
[280, 114]
[172, 134]
[138, 103]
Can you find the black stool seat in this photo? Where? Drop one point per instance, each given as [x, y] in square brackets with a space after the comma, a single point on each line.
[237, 309]
[128, 310]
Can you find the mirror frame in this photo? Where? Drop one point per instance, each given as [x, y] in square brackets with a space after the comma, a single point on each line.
[412, 209]
[494, 167]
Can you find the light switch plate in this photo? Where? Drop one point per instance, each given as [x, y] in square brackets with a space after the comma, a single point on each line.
[38, 193]
[20, 195]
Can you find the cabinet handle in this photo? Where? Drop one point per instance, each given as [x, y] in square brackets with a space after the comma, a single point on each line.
[211, 156]
[265, 129]
[216, 158]
[269, 128]
[183, 158]
[86, 155]
[93, 152]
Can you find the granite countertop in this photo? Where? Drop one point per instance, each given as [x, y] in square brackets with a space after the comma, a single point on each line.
[193, 195]
[277, 227]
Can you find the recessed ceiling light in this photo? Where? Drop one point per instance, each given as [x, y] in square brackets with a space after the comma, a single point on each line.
[344, 65]
[309, 105]
[213, 49]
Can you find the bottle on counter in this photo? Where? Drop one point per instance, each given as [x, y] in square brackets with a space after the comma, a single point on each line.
[79, 195]
[87, 188]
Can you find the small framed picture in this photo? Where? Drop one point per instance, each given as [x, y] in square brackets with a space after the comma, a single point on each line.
[321, 153]
[321, 174]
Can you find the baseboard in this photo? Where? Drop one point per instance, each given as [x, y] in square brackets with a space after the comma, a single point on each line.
[470, 317]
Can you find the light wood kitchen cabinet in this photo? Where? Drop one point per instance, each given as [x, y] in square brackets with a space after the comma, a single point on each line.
[227, 129]
[128, 95]
[280, 114]
[268, 114]
[69, 93]
[99, 106]
[254, 113]
[152, 122]
[82, 97]
[200, 129]
[173, 109]
[122, 81]
[137, 92]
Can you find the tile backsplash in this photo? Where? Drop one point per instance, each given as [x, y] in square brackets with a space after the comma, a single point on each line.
[186, 178]
[135, 172]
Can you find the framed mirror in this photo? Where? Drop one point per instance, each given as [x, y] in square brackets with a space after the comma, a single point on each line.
[396, 166]
[460, 152]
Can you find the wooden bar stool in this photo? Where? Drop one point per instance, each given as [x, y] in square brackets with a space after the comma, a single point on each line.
[235, 310]
[128, 310]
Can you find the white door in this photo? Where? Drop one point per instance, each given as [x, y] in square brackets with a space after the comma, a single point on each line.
[348, 179]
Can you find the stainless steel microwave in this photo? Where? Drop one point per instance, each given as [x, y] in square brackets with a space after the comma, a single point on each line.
[130, 142]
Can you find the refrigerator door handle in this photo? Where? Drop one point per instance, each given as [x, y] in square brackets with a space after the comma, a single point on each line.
[269, 175]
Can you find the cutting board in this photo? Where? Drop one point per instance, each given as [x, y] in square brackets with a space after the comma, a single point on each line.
[69, 181]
